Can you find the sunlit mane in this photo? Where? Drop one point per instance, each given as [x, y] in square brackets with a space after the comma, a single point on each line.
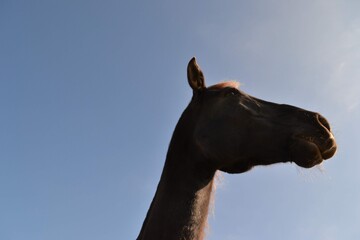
[232, 84]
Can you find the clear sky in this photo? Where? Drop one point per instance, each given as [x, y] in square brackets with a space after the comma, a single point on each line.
[90, 92]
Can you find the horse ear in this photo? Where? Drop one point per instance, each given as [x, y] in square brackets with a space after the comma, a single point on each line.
[195, 76]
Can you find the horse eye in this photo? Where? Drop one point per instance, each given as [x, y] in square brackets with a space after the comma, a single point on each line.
[232, 92]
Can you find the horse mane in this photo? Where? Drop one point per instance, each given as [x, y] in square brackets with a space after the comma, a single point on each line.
[231, 84]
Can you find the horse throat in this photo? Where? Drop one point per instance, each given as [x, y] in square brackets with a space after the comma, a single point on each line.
[180, 206]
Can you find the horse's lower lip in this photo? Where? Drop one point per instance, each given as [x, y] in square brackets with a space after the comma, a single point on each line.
[308, 151]
[304, 152]
[327, 149]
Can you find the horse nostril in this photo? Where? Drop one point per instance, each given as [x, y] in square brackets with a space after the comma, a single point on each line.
[323, 121]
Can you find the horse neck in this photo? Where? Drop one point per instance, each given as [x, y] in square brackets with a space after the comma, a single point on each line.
[180, 207]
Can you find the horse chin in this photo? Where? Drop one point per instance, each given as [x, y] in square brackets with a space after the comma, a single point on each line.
[305, 153]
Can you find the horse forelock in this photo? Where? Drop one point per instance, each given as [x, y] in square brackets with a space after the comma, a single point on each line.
[231, 84]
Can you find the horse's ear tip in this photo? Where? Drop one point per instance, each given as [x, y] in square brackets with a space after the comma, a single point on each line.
[193, 60]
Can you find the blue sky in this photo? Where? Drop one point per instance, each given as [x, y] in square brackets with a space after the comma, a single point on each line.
[90, 93]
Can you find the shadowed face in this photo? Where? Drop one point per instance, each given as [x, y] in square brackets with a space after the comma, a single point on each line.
[239, 131]
[236, 131]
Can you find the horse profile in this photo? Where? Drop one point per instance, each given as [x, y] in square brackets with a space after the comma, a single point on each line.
[226, 129]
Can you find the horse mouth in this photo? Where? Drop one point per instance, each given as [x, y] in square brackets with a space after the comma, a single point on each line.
[307, 152]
